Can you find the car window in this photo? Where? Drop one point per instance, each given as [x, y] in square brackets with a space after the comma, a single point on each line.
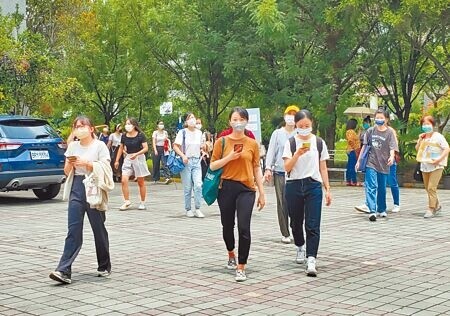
[27, 129]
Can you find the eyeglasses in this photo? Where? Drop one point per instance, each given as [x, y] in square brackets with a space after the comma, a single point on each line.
[79, 126]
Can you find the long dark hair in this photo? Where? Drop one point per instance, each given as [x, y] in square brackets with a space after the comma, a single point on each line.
[135, 123]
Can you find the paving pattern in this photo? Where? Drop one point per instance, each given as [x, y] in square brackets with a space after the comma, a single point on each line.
[167, 264]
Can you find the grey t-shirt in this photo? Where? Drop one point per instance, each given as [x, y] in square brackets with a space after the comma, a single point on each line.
[382, 144]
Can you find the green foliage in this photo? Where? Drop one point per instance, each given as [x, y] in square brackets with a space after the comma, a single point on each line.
[119, 58]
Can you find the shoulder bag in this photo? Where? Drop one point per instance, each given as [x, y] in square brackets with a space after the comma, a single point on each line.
[211, 182]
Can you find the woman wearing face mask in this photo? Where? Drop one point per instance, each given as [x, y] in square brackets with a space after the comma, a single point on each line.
[237, 192]
[275, 168]
[188, 145]
[113, 146]
[433, 155]
[306, 167]
[352, 149]
[159, 137]
[134, 144]
[381, 157]
[81, 158]
[365, 126]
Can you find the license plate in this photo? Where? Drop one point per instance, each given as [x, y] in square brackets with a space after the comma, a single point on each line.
[39, 154]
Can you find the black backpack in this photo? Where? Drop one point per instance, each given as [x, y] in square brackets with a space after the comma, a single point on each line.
[319, 143]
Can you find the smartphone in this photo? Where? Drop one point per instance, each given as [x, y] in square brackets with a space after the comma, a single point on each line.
[306, 145]
[238, 147]
[72, 158]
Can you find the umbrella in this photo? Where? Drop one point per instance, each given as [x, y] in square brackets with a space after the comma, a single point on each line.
[359, 111]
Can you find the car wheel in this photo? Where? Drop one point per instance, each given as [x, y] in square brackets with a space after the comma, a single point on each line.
[48, 193]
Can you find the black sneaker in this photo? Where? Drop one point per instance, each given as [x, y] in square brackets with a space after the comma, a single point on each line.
[372, 217]
[60, 277]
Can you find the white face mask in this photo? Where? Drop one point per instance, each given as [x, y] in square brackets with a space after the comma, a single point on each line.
[289, 119]
[192, 121]
[304, 131]
[82, 132]
[198, 126]
[129, 127]
[161, 126]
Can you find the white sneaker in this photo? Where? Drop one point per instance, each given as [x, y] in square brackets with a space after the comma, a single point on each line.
[396, 209]
[286, 240]
[240, 275]
[198, 213]
[301, 255]
[362, 208]
[311, 267]
[190, 213]
[429, 214]
[125, 206]
[382, 214]
[103, 274]
[142, 206]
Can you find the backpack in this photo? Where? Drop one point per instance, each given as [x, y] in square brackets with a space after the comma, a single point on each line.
[293, 145]
[175, 163]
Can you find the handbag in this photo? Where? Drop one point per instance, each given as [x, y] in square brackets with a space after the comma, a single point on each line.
[210, 189]
[417, 173]
[364, 156]
[175, 163]
[93, 192]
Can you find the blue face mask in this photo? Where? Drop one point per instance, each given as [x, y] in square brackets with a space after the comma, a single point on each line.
[427, 128]
[379, 122]
[366, 126]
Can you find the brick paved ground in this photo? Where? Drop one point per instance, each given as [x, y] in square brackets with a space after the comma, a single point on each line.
[167, 264]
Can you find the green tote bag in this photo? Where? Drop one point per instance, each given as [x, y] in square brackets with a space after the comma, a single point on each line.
[211, 182]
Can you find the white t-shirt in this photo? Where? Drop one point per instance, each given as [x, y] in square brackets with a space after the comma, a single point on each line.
[439, 140]
[159, 137]
[192, 142]
[115, 139]
[96, 151]
[307, 165]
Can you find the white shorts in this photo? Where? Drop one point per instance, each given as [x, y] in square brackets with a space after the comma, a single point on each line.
[137, 167]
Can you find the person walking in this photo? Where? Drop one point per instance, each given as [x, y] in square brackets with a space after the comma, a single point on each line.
[83, 157]
[113, 146]
[275, 168]
[392, 180]
[305, 158]
[188, 145]
[381, 157]
[134, 145]
[367, 123]
[352, 152]
[237, 192]
[104, 135]
[432, 153]
[159, 138]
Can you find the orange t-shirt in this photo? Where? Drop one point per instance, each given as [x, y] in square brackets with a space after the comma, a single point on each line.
[241, 169]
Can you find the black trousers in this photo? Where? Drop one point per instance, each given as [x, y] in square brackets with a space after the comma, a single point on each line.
[157, 163]
[236, 199]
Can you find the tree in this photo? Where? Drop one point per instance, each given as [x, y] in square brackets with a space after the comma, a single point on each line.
[202, 44]
[98, 55]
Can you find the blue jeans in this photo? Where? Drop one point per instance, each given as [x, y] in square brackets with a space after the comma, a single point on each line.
[351, 163]
[191, 177]
[393, 183]
[375, 183]
[77, 208]
[304, 203]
